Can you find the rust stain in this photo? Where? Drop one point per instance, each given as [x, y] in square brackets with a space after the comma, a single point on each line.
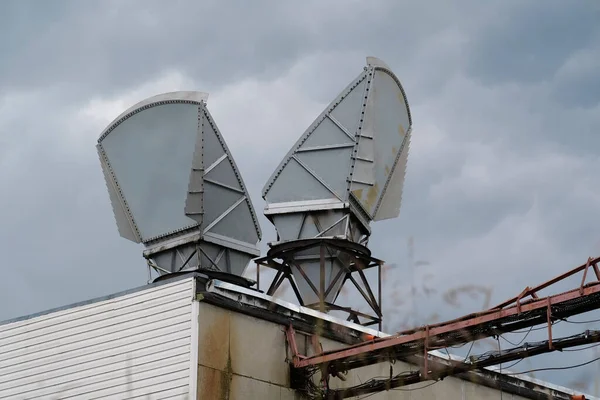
[214, 371]
[372, 194]
[225, 385]
[400, 98]
[387, 170]
[214, 341]
[394, 150]
[358, 193]
[401, 130]
[213, 384]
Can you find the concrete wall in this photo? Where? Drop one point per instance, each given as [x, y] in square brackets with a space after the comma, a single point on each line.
[242, 357]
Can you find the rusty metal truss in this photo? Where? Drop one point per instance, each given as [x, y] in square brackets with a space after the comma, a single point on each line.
[526, 310]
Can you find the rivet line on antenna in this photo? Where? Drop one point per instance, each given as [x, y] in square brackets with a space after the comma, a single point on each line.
[140, 109]
[395, 78]
[170, 234]
[113, 127]
[122, 197]
[405, 143]
[310, 131]
[370, 79]
[397, 81]
[405, 165]
[359, 207]
[200, 130]
[235, 171]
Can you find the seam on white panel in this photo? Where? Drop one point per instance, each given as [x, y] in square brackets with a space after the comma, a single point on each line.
[193, 379]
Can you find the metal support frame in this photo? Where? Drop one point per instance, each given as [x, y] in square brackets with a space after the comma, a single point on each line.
[509, 316]
[153, 267]
[282, 258]
[593, 262]
[185, 262]
[425, 371]
[442, 368]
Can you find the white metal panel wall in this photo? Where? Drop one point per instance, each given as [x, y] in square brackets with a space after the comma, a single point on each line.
[129, 347]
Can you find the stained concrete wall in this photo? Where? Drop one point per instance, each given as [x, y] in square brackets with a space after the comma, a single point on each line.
[242, 357]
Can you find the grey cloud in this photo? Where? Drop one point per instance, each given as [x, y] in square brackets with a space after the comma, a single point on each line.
[576, 79]
[58, 232]
[125, 43]
[530, 42]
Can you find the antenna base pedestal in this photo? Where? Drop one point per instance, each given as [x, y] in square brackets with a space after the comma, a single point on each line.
[317, 270]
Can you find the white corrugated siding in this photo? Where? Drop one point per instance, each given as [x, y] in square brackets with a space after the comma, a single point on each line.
[135, 346]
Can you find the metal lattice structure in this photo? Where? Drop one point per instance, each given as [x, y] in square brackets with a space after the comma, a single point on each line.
[174, 186]
[284, 256]
[345, 171]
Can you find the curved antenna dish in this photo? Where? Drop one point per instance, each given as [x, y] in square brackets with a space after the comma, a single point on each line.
[345, 171]
[356, 150]
[175, 187]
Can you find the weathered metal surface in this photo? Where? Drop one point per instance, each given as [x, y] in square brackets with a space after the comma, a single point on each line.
[170, 177]
[331, 134]
[353, 147]
[345, 171]
[150, 155]
[125, 225]
[389, 204]
[134, 345]
[382, 141]
[317, 268]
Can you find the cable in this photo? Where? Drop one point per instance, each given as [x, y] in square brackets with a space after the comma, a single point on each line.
[513, 364]
[419, 388]
[500, 351]
[522, 340]
[399, 389]
[582, 322]
[583, 348]
[555, 368]
[539, 328]
[375, 384]
[469, 352]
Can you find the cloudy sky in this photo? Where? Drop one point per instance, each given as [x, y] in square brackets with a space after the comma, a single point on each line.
[502, 189]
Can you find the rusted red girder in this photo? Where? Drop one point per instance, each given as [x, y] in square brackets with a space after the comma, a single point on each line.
[470, 327]
[591, 262]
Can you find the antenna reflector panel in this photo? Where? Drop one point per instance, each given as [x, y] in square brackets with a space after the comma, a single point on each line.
[170, 176]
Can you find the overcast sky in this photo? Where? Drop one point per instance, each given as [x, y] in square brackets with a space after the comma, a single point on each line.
[502, 189]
